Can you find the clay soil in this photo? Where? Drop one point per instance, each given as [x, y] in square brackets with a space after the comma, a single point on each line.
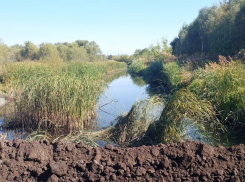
[188, 161]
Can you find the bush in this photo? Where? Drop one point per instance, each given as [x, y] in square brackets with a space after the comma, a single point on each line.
[172, 71]
[137, 66]
[154, 72]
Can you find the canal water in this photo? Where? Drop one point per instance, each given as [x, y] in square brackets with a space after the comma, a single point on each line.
[117, 99]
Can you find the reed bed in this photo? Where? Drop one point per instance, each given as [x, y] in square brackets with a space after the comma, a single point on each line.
[224, 86]
[213, 104]
[54, 96]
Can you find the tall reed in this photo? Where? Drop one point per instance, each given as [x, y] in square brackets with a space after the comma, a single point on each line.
[224, 85]
[52, 96]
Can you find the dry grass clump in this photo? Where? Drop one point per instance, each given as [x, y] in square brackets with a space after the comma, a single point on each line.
[132, 126]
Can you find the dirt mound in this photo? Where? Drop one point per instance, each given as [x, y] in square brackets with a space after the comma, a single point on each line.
[188, 161]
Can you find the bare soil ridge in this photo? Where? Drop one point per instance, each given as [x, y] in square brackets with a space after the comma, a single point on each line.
[188, 161]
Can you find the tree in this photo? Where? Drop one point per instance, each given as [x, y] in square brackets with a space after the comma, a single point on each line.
[3, 53]
[15, 53]
[175, 46]
[182, 37]
[206, 22]
[216, 30]
[92, 48]
[48, 51]
[76, 53]
[63, 49]
[165, 47]
[239, 30]
[29, 51]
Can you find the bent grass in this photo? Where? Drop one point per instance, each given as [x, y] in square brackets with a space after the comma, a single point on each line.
[133, 125]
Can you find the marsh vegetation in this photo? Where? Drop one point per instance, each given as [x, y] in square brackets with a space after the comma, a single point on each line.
[194, 92]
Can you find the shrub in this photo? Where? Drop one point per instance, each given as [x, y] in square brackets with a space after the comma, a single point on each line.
[172, 71]
[137, 66]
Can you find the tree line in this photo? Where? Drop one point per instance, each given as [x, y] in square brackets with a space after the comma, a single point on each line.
[156, 52]
[80, 50]
[217, 30]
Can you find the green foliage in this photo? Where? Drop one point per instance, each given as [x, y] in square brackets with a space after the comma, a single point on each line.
[216, 30]
[239, 24]
[92, 48]
[183, 106]
[72, 52]
[3, 54]
[224, 86]
[137, 66]
[48, 52]
[16, 53]
[122, 58]
[145, 54]
[79, 51]
[172, 71]
[241, 55]
[29, 51]
[165, 47]
[154, 72]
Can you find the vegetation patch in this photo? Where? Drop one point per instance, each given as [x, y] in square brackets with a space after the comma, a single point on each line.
[224, 86]
[132, 126]
[54, 96]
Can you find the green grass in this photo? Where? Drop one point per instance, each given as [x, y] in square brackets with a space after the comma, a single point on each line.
[211, 98]
[137, 66]
[55, 96]
[183, 106]
[224, 86]
[213, 102]
[172, 71]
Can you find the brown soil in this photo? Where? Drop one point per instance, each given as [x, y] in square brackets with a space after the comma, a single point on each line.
[188, 161]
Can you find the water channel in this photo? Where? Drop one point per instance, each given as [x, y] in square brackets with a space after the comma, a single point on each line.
[118, 98]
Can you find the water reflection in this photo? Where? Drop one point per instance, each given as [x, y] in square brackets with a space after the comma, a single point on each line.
[118, 98]
[12, 134]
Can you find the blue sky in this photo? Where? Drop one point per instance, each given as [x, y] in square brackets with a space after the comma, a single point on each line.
[118, 26]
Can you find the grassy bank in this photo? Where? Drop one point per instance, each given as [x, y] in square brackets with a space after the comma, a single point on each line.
[53, 96]
[209, 97]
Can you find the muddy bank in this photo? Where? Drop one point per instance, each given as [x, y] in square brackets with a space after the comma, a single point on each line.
[188, 161]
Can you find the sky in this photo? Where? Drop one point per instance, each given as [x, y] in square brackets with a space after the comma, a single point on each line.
[118, 26]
